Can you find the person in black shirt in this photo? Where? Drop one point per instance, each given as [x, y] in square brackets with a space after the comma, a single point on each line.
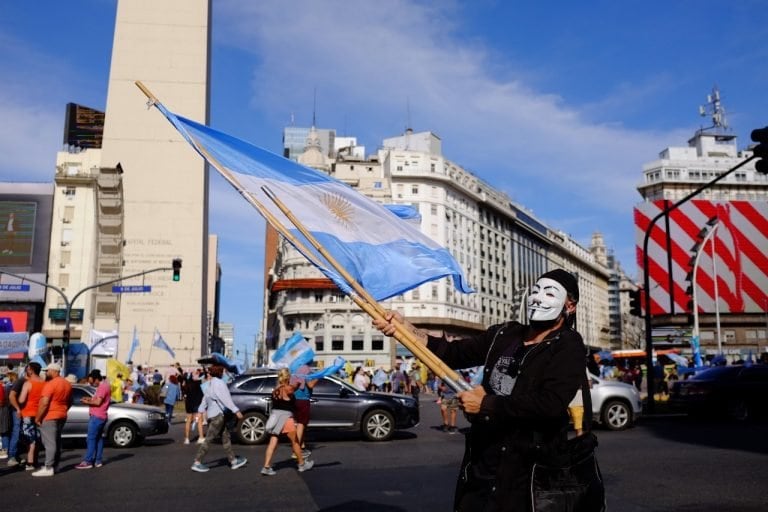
[531, 373]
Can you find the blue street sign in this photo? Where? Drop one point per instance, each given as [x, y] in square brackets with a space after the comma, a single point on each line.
[14, 287]
[132, 289]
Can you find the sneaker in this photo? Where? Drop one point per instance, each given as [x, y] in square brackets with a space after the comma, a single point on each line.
[238, 462]
[3, 454]
[29, 467]
[12, 462]
[268, 471]
[452, 430]
[445, 428]
[98, 464]
[84, 465]
[43, 472]
[199, 467]
[306, 466]
[304, 453]
[200, 440]
[186, 440]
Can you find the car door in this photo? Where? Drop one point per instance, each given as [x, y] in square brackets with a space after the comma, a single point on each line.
[78, 415]
[333, 405]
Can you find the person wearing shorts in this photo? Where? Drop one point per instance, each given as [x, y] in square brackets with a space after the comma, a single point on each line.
[280, 421]
[449, 407]
[302, 395]
[30, 395]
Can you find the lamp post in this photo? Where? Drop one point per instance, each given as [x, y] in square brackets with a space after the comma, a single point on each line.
[697, 249]
[68, 303]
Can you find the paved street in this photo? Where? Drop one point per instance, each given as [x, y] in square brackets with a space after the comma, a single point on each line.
[664, 464]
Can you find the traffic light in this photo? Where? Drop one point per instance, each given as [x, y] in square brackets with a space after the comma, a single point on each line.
[634, 303]
[760, 150]
[177, 269]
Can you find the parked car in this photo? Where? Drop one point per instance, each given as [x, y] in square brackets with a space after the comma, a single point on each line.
[335, 404]
[127, 424]
[736, 391]
[615, 405]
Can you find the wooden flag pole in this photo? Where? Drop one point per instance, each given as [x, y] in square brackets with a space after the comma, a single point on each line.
[362, 298]
[377, 311]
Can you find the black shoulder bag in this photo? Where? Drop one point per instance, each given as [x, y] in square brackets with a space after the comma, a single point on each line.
[566, 477]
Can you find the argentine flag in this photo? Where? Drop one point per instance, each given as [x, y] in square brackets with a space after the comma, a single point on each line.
[384, 253]
[295, 352]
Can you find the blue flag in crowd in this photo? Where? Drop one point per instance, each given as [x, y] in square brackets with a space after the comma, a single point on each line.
[337, 365]
[134, 346]
[230, 365]
[295, 352]
[384, 253]
[159, 342]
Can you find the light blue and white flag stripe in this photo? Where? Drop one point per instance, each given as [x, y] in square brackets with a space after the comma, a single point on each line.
[295, 352]
[385, 254]
[159, 342]
[134, 345]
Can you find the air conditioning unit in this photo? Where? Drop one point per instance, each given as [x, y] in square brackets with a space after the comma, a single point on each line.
[66, 221]
[62, 265]
[64, 244]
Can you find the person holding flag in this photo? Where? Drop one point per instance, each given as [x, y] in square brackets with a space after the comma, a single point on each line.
[531, 373]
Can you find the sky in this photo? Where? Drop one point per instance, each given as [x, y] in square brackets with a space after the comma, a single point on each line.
[558, 103]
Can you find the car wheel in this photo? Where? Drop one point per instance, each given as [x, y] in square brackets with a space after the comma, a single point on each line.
[123, 434]
[252, 429]
[378, 425]
[616, 415]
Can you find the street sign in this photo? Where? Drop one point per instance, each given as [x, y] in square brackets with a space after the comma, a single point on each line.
[14, 287]
[60, 314]
[132, 289]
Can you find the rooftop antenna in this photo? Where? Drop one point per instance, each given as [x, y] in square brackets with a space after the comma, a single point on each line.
[714, 109]
[314, 108]
[408, 129]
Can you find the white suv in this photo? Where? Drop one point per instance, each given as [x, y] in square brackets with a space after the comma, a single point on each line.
[615, 405]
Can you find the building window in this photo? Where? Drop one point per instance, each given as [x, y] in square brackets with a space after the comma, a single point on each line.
[337, 343]
[357, 343]
[69, 192]
[377, 185]
[319, 344]
[414, 189]
[377, 343]
[63, 280]
[319, 297]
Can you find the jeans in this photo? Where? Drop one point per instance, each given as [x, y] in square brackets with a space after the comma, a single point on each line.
[169, 412]
[13, 447]
[95, 440]
[50, 431]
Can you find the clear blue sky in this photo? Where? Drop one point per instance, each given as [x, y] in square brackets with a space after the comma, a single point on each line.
[557, 103]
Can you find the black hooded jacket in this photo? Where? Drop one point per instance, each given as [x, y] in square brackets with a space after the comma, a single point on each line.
[526, 406]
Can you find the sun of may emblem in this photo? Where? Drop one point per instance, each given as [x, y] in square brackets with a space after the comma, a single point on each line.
[339, 207]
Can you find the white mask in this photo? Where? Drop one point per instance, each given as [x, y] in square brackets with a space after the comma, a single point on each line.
[546, 300]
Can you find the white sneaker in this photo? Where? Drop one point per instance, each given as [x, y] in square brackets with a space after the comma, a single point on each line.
[43, 472]
[186, 440]
[306, 466]
[200, 440]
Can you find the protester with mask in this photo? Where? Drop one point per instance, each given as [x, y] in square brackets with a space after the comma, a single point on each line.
[531, 373]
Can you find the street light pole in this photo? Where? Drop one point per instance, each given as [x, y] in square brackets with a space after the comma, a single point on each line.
[647, 277]
[68, 303]
[709, 237]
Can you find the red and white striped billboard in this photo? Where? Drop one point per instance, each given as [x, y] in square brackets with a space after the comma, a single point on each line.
[740, 258]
